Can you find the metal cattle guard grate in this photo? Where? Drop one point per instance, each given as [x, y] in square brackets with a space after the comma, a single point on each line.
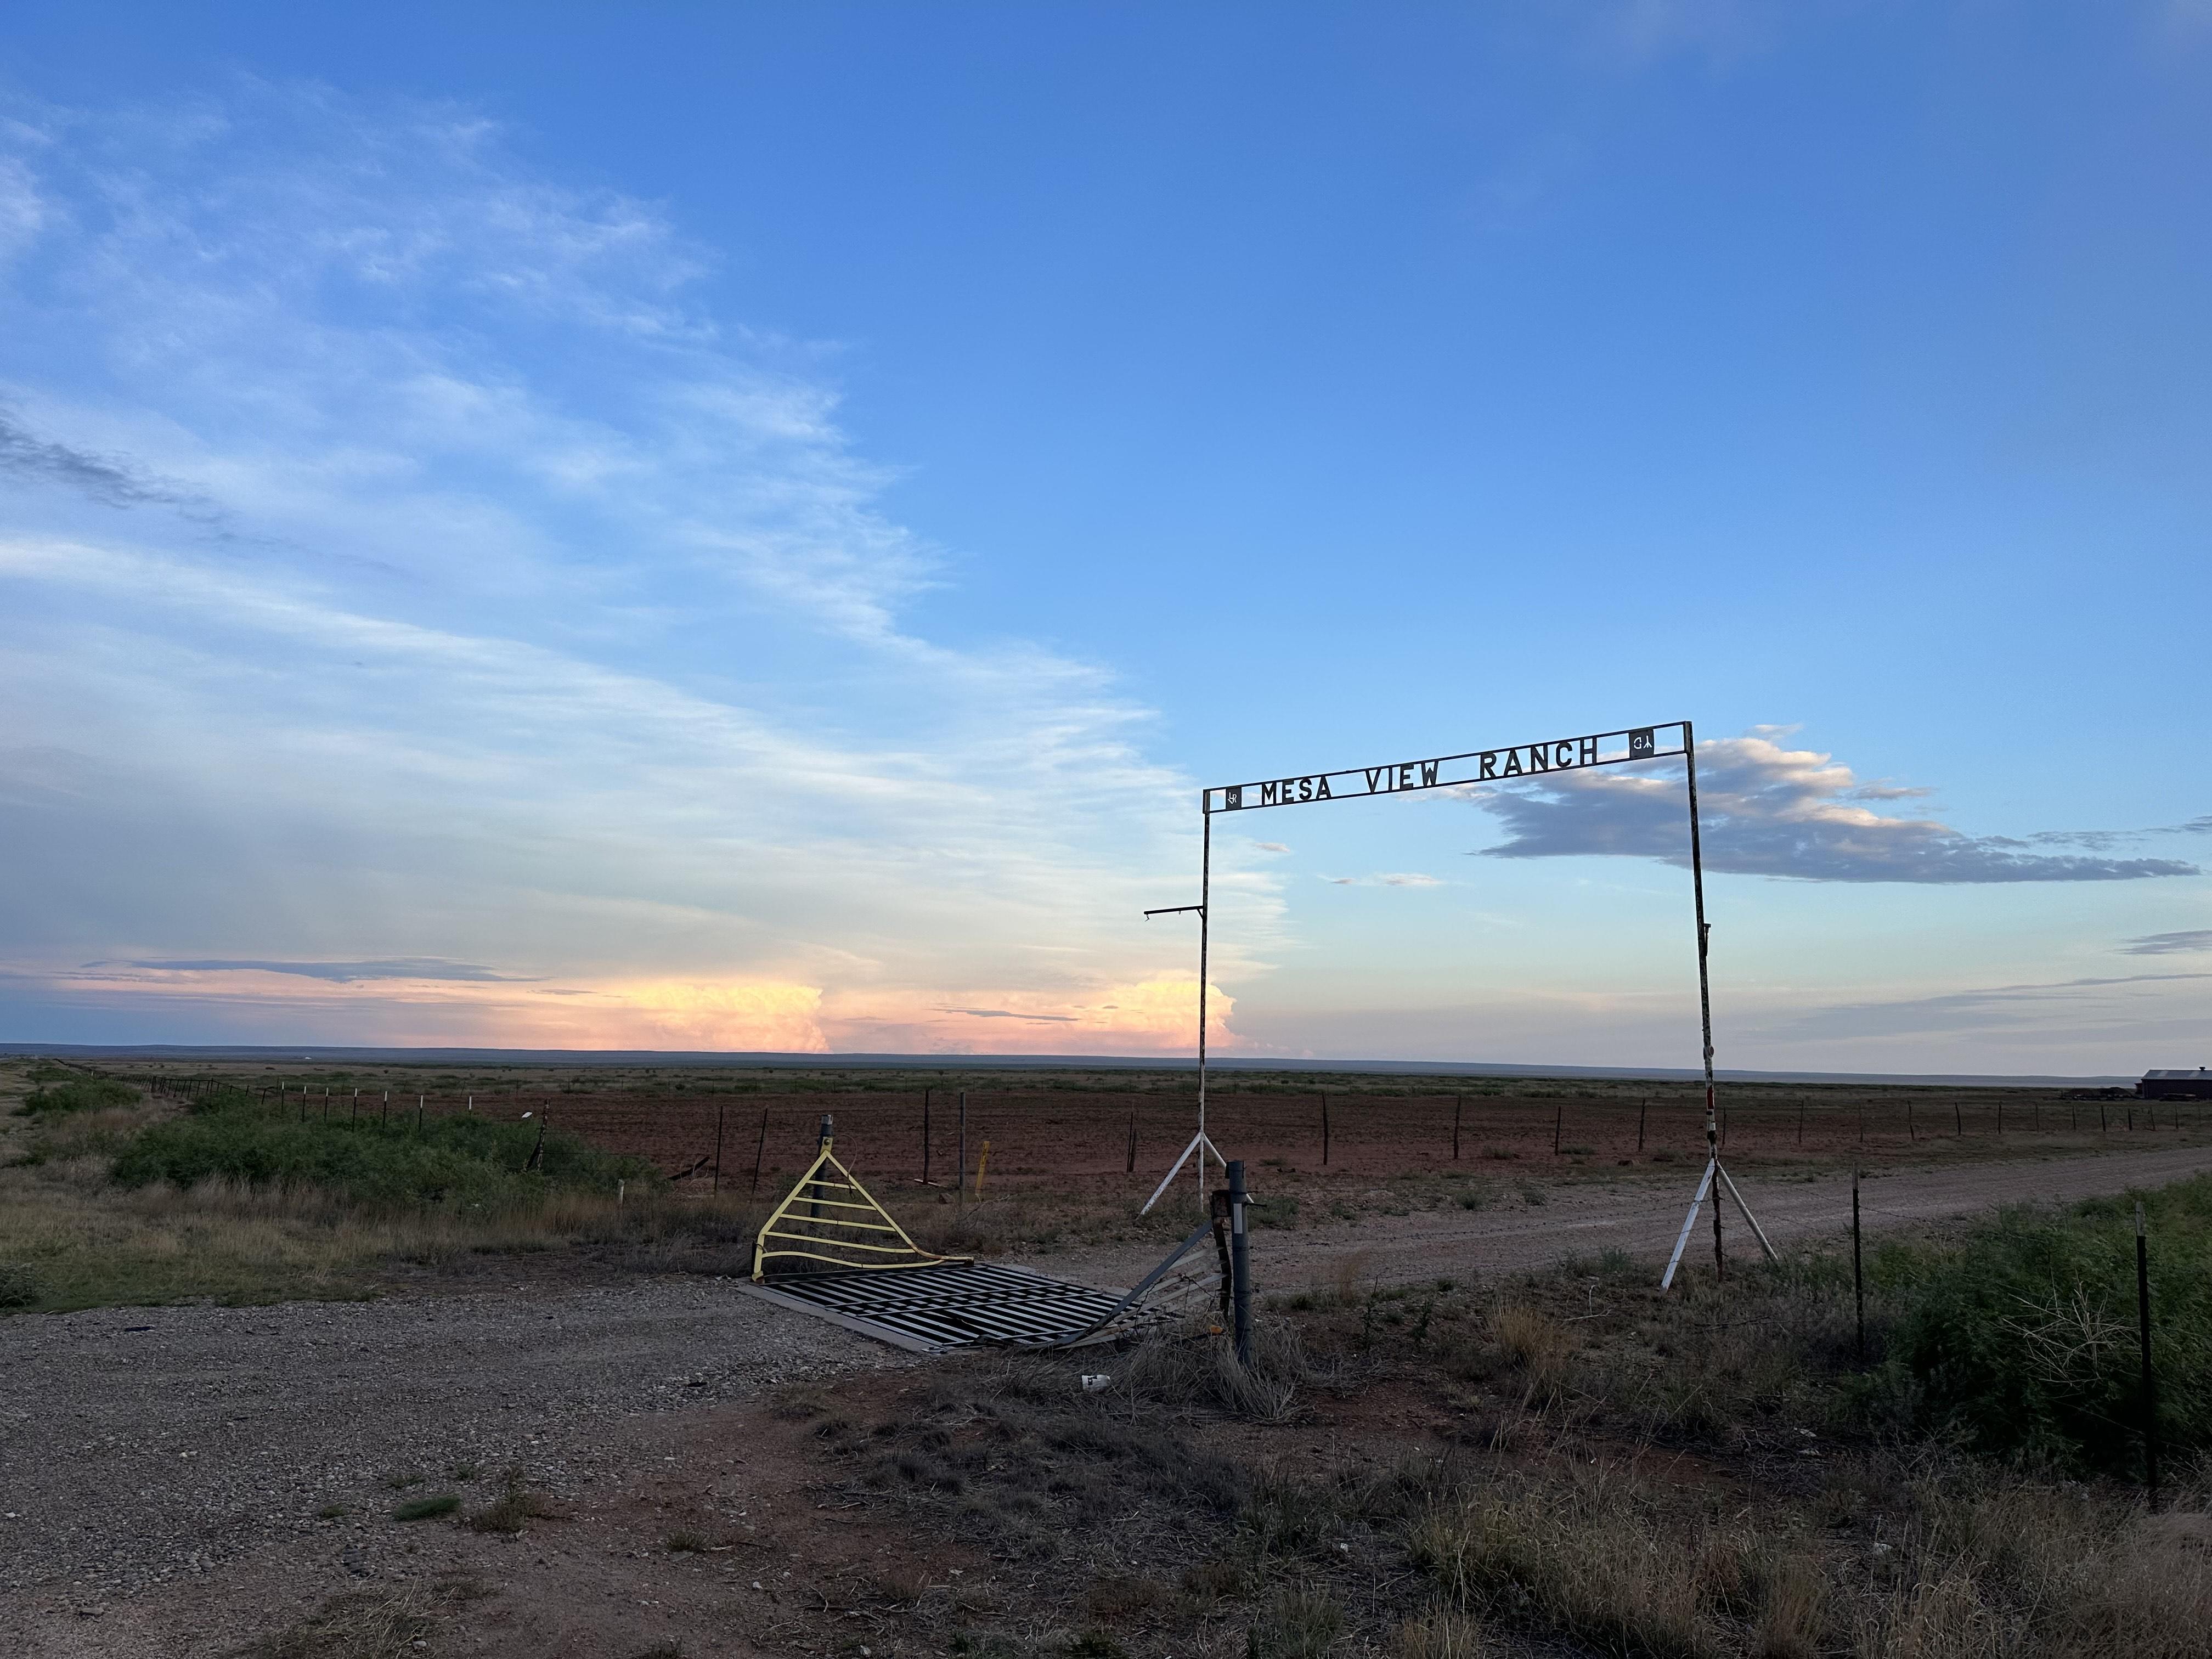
[955, 1304]
[899, 1293]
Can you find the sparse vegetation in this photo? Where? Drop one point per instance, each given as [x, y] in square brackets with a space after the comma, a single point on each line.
[467, 1160]
[515, 1507]
[367, 1624]
[250, 1222]
[68, 1093]
[427, 1508]
[1709, 1474]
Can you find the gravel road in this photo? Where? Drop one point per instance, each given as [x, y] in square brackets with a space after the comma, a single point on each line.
[143, 1445]
[140, 1445]
[1644, 1218]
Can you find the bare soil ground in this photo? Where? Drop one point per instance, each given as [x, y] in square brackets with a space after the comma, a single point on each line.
[1072, 1131]
[186, 1479]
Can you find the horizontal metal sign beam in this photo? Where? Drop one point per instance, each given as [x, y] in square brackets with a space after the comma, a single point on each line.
[1525, 760]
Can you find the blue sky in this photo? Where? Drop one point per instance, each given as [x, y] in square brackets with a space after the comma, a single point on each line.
[688, 526]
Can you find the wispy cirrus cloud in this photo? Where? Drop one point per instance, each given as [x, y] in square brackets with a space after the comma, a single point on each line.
[559, 613]
[1771, 810]
[1008, 1013]
[2166, 945]
[111, 481]
[1989, 1009]
[338, 973]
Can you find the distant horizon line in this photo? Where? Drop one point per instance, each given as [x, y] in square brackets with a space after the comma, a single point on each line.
[769, 1059]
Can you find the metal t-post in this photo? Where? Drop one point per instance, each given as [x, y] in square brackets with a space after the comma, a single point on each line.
[1240, 1263]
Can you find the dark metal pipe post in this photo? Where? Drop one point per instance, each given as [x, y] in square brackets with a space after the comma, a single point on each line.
[718, 1147]
[962, 1190]
[1457, 1102]
[1240, 1263]
[1704, 933]
[1205, 945]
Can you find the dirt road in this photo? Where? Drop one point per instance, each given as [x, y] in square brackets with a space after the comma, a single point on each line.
[1644, 1218]
[141, 1447]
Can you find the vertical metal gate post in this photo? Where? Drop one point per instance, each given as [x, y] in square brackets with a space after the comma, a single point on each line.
[1705, 928]
[1204, 944]
[1240, 1263]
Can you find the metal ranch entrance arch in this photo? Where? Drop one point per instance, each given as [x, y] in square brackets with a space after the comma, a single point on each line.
[1633, 744]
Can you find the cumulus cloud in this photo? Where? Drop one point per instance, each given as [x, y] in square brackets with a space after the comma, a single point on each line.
[2163, 944]
[1770, 811]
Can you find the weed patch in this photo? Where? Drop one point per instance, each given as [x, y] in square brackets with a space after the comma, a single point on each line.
[89, 1094]
[2021, 1340]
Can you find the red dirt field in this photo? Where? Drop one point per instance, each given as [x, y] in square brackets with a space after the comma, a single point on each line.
[1046, 1128]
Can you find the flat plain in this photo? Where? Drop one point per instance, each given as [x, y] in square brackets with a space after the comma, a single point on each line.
[640, 1459]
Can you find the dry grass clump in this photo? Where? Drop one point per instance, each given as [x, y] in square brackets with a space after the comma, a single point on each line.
[1538, 1346]
[1978, 1566]
[1581, 1557]
[1441, 1635]
[363, 1625]
[517, 1505]
[1198, 1367]
[1302, 1621]
[367, 1624]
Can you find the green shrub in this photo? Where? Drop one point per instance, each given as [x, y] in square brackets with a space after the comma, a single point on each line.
[78, 1094]
[2022, 1340]
[458, 1160]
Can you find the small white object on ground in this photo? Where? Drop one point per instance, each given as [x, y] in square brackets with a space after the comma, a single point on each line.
[1094, 1381]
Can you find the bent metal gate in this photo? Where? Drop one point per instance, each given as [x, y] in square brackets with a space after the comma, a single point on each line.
[1477, 766]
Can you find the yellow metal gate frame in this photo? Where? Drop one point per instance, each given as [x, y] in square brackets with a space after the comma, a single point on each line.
[802, 1207]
